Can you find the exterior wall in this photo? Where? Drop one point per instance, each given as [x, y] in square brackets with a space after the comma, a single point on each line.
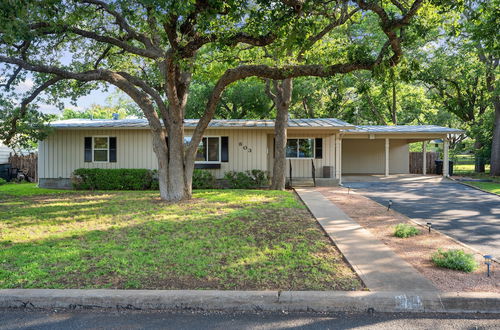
[302, 168]
[63, 151]
[4, 154]
[364, 156]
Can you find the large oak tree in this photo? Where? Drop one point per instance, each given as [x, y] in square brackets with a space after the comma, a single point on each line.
[151, 49]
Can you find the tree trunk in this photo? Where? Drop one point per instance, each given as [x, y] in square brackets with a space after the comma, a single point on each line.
[394, 103]
[495, 145]
[479, 160]
[175, 178]
[283, 98]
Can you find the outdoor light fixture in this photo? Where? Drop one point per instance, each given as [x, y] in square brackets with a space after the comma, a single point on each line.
[487, 262]
[389, 205]
[429, 225]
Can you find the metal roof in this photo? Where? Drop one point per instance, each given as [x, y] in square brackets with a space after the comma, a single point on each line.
[262, 123]
[143, 123]
[396, 129]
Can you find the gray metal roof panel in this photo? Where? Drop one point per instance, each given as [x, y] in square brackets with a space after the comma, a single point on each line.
[143, 123]
[403, 129]
[221, 123]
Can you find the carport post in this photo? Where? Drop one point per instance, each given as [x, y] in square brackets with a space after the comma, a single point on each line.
[424, 158]
[338, 158]
[386, 156]
[446, 159]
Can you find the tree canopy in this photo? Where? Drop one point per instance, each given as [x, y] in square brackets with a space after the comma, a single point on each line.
[163, 54]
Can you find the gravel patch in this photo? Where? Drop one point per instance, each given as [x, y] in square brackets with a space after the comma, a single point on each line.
[416, 250]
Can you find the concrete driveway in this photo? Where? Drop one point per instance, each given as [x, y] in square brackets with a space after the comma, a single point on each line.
[466, 214]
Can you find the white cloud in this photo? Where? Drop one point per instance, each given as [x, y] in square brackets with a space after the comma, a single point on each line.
[48, 109]
[25, 86]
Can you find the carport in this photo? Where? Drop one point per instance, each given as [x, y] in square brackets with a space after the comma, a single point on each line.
[384, 150]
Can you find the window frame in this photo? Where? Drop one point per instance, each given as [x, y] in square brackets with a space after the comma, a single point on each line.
[93, 148]
[303, 138]
[219, 154]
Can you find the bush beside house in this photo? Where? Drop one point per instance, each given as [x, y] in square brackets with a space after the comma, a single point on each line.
[246, 180]
[112, 179]
[144, 179]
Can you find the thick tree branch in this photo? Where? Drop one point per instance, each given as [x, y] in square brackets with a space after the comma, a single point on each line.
[46, 28]
[190, 49]
[122, 22]
[12, 78]
[24, 106]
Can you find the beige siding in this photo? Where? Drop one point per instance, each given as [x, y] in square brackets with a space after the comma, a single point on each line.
[4, 154]
[254, 156]
[368, 156]
[302, 168]
[62, 152]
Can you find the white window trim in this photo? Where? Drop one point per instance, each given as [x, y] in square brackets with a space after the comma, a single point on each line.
[99, 161]
[303, 138]
[210, 161]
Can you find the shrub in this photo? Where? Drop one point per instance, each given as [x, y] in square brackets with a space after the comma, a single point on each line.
[112, 179]
[404, 230]
[246, 180]
[203, 179]
[2, 181]
[455, 259]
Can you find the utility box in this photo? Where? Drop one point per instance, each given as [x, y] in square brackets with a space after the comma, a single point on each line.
[327, 171]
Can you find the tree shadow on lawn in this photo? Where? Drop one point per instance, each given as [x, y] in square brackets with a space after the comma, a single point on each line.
[205, 243]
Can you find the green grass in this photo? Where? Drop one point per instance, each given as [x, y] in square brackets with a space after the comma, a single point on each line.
[28, 189]
[493, 187]
[403, 230]
[468, 169]
[221, 239]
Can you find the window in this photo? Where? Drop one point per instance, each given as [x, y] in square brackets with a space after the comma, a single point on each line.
[300, 148]
[208, 150]
[101, 149]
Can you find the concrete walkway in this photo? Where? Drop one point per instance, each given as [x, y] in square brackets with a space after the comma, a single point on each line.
[377, 265]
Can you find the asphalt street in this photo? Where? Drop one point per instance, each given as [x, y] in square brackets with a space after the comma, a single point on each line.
[102, 319]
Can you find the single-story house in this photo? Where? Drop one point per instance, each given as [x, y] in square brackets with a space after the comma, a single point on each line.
[331, 146]
[5, 153]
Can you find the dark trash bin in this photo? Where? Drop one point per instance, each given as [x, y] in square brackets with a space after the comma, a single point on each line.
[5, 171]
[439, 167]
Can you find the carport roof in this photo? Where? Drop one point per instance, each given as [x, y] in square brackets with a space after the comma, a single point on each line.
[402, 129]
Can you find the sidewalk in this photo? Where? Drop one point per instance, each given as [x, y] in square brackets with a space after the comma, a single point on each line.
[375, 263]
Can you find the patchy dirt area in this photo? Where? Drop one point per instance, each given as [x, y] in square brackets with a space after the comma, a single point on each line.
[416, 250]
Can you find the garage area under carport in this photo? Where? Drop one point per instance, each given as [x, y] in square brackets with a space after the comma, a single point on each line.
[384, 150]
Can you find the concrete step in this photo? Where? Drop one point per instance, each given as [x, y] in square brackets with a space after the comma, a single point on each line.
[302, 182]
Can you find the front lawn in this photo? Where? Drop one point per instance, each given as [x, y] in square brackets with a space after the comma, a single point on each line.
[221, 239]
[493, 187]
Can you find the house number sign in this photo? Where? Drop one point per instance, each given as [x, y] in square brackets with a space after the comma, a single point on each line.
[245, 148]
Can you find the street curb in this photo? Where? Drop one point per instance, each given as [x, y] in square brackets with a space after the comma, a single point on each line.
[256, 301]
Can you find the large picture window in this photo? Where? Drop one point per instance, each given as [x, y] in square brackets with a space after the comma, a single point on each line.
[300, 148]
[208, 150]
[101, 148]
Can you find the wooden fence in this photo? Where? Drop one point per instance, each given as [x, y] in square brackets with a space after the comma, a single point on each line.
[416, 160]
[27, 164]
